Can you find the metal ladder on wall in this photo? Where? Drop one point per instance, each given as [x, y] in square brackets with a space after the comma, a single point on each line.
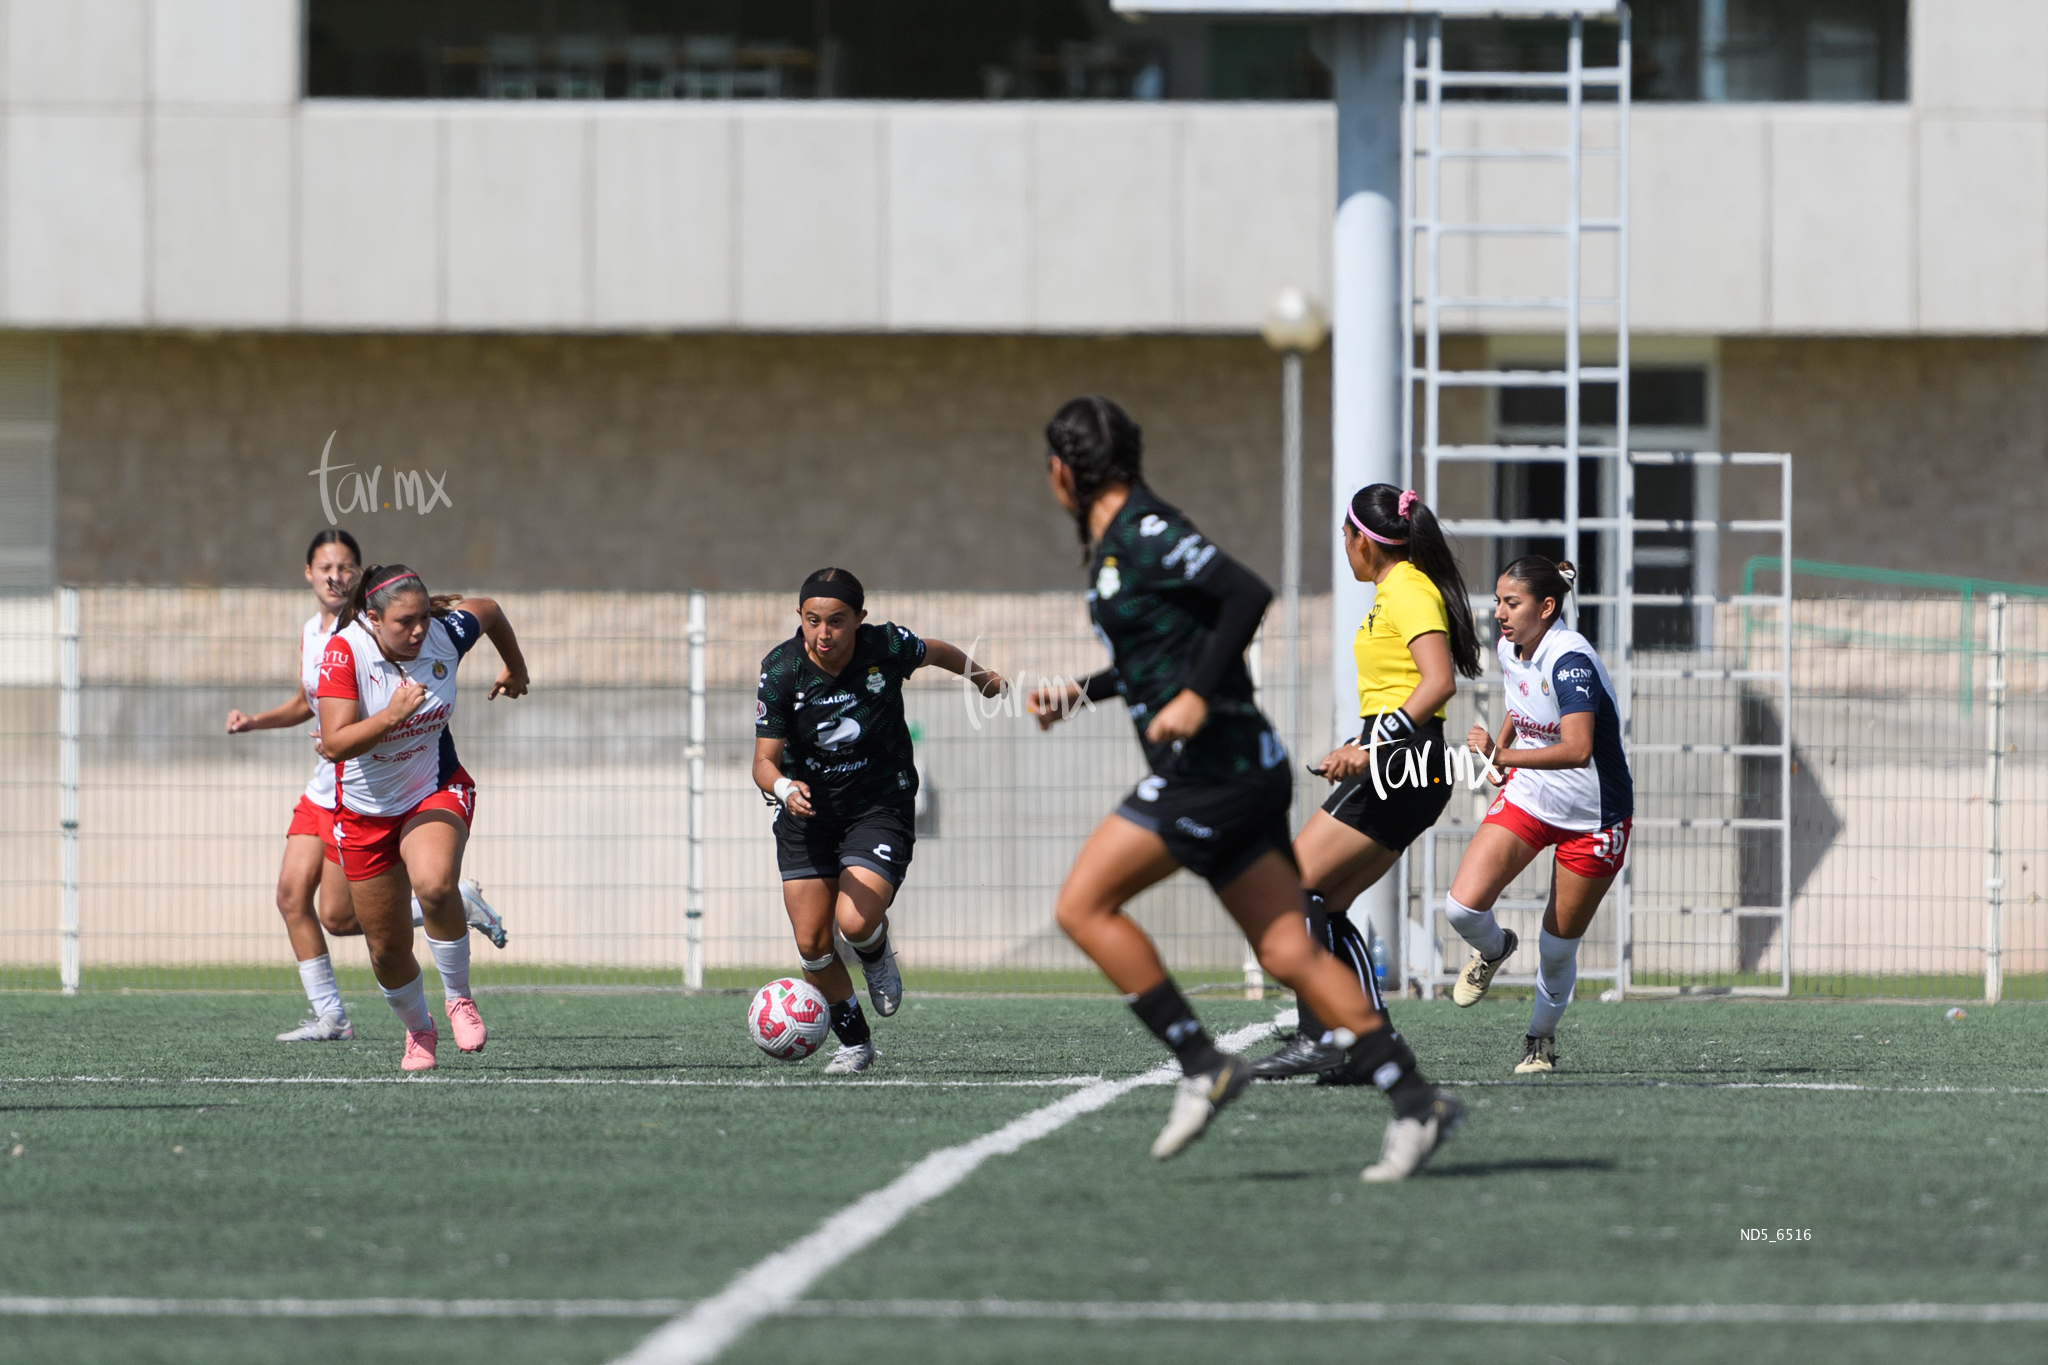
[1425, 231]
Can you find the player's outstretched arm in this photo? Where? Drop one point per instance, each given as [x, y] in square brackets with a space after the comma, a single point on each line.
[279, 717]
[512, 678]
[953, 659]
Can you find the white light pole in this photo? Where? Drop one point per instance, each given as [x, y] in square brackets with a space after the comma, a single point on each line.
[1293, 325]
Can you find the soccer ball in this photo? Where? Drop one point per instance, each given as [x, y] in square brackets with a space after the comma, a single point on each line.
[789, 1019]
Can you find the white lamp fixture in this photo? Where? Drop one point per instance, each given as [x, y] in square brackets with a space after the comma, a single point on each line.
[1293, 322]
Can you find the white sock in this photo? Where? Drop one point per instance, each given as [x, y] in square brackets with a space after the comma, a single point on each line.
[321, 993]
[419, 918]
[1557, 972]
[451, 960]
[409, 1003]
[1477, 927]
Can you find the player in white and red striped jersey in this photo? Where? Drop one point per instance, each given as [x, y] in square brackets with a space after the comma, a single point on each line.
[403, 804]
[333, 565]
[1567, 787]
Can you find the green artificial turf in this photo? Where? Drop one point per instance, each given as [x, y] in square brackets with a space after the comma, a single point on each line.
[1625, 1179]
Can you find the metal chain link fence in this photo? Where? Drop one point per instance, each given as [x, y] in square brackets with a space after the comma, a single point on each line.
[1918, 796]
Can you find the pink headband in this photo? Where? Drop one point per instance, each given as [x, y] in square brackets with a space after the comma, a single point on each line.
[1408, 499]
[395, 578]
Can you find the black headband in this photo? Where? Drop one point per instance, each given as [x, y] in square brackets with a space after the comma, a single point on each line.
[843, 588]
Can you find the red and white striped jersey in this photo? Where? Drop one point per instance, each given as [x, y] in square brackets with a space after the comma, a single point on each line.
[405, 766]
[312, 645]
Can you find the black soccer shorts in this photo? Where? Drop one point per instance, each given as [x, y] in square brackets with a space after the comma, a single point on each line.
[879, 838]
[1216, 827]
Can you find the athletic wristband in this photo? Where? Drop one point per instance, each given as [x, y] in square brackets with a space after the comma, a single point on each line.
[783, 787]
[1394, 727]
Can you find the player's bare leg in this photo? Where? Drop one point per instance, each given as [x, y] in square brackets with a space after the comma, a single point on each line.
[1119, 861]
[812, 904]
[1493, 859]
[1574, 899]
[432, 849]
[862, 913]
[303, 870]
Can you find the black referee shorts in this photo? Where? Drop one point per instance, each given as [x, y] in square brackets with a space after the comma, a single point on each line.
[879, 838]
[1216, 827]
[1416, 791]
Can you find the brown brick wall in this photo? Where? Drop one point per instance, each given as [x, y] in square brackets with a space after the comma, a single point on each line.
[1926, 454]
[718, 462]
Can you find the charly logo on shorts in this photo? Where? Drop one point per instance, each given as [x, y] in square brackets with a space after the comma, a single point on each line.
[440, 669]
[882, 852]
[1148, 790]
[1199, 831]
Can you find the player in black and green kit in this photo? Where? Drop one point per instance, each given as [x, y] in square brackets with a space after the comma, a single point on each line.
[831, 749]
[1177, 613]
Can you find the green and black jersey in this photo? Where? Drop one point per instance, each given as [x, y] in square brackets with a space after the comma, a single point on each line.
[1157, 593]
[844, 736]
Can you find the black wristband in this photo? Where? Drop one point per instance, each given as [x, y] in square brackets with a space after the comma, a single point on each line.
[1393, 727]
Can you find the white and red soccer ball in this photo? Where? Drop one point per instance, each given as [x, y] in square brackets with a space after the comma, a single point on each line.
[789, 1019]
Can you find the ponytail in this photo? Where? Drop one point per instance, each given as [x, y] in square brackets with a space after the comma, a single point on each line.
[1545, 578]
[378, 586]
[1402, 525]
[1100, 445]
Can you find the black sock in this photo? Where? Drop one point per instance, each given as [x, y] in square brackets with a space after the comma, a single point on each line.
[873, 953]
[1383, 1056]
[849, 1023]
[1165, 1011]
[1313, 906]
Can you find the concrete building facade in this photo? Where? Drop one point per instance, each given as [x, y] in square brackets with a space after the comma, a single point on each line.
[662, 345]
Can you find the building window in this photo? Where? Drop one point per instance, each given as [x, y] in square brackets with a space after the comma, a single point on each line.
[794, 49]
[1671, 408]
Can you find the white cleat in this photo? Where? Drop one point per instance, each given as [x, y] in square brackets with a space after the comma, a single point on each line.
[1196, 1100]
[851, 1061]
[328, 1028]
[1411, 1142]
[477, 911]
[885, 983]
[1470, 987]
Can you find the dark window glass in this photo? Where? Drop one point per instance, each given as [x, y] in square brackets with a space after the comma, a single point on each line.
[1827, 50]
[1658, 397]
[794, 49]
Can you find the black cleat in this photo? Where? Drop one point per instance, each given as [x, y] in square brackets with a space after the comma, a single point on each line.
[1539, 1055]
[1300, 1055]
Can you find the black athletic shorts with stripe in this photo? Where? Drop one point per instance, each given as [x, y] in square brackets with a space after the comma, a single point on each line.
[1216, 827]
[1416, 790]
[879, 838]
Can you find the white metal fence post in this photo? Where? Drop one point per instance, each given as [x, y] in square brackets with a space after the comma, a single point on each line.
[1994, 802]
[693, 891]
[67, 786]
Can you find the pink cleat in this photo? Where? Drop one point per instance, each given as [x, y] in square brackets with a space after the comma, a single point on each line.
[419, 1050]
[468, 1024]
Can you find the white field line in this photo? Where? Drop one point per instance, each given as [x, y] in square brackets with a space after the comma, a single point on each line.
[1059, 1082]
[1529, 1315]
[1533, 1315]
[772, 1285]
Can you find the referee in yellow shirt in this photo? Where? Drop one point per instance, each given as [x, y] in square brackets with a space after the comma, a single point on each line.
[1419, 630]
